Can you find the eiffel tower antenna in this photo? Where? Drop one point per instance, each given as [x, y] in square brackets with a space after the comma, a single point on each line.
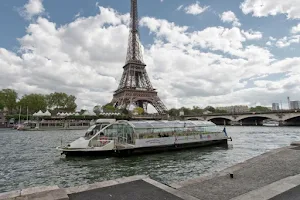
[134, 51]
[135, 87]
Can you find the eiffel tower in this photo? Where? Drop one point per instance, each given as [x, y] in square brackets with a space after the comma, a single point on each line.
[135, 87]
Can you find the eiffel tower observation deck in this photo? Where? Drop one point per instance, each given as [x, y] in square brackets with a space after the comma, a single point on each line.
[135, 87]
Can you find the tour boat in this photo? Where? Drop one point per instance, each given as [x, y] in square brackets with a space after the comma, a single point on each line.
[135, 137]
[270, 123]
[48, 125]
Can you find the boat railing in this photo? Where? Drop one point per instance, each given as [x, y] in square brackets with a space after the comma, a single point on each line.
[102, 142]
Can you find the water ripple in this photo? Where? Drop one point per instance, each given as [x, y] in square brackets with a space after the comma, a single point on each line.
[29, 159]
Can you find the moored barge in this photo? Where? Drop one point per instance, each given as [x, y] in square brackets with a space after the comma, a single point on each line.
[137, 137]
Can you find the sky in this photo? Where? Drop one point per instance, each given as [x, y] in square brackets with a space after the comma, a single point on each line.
[198, 53]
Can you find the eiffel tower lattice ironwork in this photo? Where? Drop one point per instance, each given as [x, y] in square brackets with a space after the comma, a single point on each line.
[135, 86]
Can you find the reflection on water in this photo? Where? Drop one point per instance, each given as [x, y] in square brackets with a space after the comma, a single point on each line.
[29, 159]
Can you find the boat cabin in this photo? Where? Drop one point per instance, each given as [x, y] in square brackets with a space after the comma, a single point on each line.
[129, 131]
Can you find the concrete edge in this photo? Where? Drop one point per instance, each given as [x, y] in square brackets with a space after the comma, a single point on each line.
[296, 143]
[170, 190]
[271, 190]
[228, 170]
[27, 191]
[93, 186]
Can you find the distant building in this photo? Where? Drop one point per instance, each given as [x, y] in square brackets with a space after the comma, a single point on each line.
[181, 113]
[275, 106]
[294, 105]
[235, 109]
[207, 112]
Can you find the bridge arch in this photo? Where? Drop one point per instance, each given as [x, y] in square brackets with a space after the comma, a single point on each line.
[292, 121]
[257, 116]
[194, 118]
[290, 116]
[220, 120]
[219, 117]
[255, 120]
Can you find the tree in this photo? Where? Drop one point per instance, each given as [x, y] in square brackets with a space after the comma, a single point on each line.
[1, 102]
[197, 111]
[210, 108]
[138, 110]
[61, 101]
[187, 111]
[220, 111]
[259, 109]
[8, 99]
[97, 109]
[109, 108]
[173, 112]
[70, 104]
[34, 102]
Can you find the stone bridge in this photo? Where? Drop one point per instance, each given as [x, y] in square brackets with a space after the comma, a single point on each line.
[283, 117]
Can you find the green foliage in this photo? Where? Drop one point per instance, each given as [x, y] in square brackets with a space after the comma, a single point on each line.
[61, 101]
[8, 99]
[16, 117]
[197, 111]
[173, 112]
[34, 102]
[220, 111]
[1, 105]
[139, 110]
[210, 108]
[259, 109]
[124, 111]
[109, 108]
[194, 111]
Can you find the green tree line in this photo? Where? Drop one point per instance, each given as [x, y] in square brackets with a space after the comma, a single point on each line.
[57, 102]
[199, 111]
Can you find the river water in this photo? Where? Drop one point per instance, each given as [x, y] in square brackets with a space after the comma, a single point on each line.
[29, 159]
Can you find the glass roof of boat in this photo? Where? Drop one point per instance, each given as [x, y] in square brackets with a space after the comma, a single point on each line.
[165, 124]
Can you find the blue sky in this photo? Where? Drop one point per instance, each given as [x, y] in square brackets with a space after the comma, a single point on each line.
[63, 12]
[267, 57]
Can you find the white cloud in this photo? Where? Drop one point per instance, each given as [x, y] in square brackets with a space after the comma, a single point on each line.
[263, 8]
[32, 8]
[85, 58]
[179, 7]
[295, 29]
[287, 41]
[195, 9]
[252, 35]
[229, 16]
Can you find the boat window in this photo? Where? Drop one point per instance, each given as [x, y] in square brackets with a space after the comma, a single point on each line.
[91, 128]
[112, 131]
[92, 131]
[128, 134]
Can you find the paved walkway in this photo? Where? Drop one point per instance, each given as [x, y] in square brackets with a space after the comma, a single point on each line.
[135, 190]
[292, 194]
[248, 176]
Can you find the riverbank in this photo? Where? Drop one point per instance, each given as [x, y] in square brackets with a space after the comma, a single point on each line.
[261, 177]
[273, 175]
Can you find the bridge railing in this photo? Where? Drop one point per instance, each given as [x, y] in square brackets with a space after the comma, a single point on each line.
[245, 113]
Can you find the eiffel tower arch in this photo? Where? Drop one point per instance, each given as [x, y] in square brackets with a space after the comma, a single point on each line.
[135, 87]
